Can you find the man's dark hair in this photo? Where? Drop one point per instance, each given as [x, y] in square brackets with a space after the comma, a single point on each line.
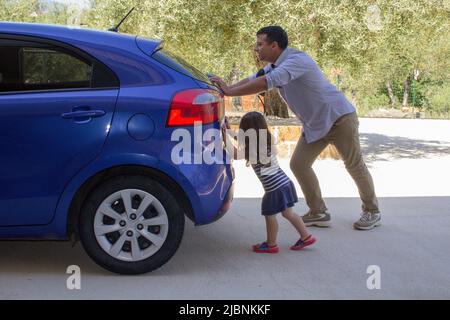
[275, 33]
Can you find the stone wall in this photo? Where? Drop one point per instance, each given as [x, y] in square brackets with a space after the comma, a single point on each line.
[287, 138]
[243, 104]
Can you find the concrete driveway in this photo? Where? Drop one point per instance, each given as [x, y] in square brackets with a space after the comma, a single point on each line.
[409, 160]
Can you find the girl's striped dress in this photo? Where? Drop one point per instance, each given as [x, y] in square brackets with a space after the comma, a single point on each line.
[280, 192]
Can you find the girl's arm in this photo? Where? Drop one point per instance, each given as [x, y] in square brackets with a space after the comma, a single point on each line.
[230, 140]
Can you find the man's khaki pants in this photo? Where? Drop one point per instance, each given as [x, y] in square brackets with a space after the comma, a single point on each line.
[344, 136]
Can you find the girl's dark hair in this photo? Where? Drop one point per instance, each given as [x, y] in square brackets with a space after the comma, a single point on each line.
[255, 120]
[275, 33]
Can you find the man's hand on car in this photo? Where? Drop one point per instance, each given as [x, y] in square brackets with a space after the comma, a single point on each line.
[220, 84]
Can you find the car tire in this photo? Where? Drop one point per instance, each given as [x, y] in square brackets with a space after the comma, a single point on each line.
[125, 243]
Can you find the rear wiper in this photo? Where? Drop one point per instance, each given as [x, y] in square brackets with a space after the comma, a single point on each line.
[116, 29]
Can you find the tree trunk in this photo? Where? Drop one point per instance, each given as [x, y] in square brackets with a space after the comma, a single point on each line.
[391, 94]
[354, 97]
[233, 77]
[406, 87]
[414, 87]
[318, 35]
[273, 103]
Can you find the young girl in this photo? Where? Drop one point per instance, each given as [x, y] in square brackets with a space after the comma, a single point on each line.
[280, 194]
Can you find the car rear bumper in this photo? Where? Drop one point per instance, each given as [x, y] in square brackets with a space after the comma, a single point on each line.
[210, 189]
[217, 202]
[226, 204]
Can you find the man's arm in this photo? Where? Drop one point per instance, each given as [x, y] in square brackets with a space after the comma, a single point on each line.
[219, 81]
[260, 73]
[240, 83]
[246, 88]
[222, 84]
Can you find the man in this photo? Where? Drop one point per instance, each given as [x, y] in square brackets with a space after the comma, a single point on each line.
[327, 117]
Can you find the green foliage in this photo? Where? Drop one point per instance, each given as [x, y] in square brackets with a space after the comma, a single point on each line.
[33, 11]
[438, 100]
[377, 101]
[47, 66]
[367, 43]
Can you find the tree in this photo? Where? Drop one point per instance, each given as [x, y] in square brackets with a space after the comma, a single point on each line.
[368, 48]
[411, 33]
[33, 11]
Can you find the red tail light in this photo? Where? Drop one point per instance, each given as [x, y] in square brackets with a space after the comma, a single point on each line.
[194, 105]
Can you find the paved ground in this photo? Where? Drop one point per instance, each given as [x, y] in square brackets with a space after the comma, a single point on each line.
[409, 160]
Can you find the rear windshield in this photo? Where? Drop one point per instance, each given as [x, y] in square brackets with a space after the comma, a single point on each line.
[179, 64]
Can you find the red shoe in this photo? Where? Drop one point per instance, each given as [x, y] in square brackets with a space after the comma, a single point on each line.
[300, 244]
[264, 248]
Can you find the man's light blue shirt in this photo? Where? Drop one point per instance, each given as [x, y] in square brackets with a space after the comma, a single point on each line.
[312, 98]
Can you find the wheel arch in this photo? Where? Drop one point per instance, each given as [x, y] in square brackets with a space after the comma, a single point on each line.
[90, 184]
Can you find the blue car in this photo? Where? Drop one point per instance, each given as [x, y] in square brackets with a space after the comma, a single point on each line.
[87, 126]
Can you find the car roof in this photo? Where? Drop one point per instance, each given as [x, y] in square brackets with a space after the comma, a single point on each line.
[67, 33]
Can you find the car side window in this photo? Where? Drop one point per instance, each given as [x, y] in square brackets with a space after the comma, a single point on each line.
[34, 66]
[44, 68]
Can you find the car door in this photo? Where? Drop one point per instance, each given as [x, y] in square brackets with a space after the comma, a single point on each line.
[56, 106]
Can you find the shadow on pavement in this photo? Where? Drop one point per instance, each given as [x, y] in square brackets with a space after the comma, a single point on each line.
[377, 147]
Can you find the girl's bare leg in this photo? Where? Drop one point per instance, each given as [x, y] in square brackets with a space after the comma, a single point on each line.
[272, 229]
[297, 222]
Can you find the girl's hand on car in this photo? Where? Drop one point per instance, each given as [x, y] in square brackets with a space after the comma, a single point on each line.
[225, 126]
[226, 123]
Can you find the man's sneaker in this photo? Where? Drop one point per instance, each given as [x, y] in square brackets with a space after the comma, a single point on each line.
[300, 244]
[368, 221]
[319, 219]
[265, 248]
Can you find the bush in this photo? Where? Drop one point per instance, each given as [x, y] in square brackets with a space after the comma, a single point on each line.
[438, 100]
[369, 103]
